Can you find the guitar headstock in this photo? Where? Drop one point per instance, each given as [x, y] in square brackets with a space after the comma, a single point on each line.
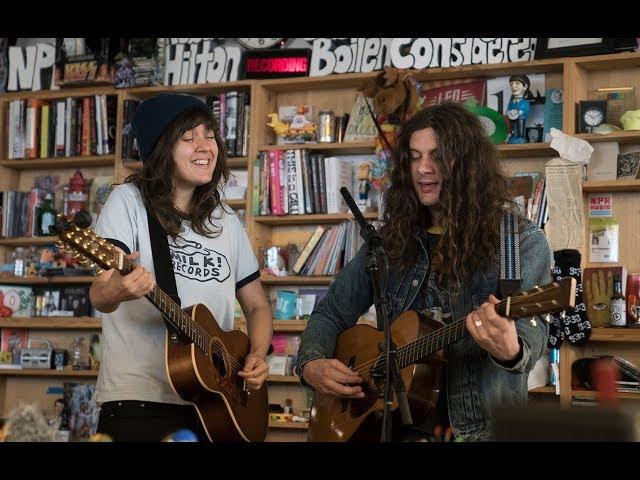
[85, 246]
[552, 298]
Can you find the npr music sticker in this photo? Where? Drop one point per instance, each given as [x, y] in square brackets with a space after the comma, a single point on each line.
[191, 260]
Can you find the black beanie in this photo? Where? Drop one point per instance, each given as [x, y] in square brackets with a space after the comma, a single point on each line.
[154, 115]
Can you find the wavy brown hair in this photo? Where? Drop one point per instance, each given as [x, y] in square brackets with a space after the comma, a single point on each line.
[473, 196]
[155, 180]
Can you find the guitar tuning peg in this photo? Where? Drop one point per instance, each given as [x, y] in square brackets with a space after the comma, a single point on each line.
[99, 271]
[533, 322]
[563, 314]
[547, 318]
[92, 265]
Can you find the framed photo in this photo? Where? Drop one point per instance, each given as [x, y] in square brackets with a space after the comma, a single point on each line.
[572, 47]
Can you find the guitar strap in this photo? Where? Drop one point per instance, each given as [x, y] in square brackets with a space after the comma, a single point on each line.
[162, 264]
[510, 277]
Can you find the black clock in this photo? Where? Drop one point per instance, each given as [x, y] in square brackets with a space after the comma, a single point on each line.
[591, 114]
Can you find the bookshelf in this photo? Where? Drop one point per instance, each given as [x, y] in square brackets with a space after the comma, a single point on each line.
[575, 75]
[30, 385]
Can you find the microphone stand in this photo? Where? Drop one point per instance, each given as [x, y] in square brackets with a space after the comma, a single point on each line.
[377, 264]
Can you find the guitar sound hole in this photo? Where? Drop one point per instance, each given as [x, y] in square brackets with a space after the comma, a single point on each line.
[219, 363]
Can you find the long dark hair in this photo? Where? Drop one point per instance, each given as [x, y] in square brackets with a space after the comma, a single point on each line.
[155, 180]
[473, 196]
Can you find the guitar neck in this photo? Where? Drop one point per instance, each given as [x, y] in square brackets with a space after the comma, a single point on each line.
[443, 337]
[172, 312]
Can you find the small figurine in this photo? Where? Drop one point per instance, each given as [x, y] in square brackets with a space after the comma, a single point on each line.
[279, 127]
[364, 175]
[294, 126]
[518, 107]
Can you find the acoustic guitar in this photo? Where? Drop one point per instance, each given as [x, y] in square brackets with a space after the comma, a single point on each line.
[420, 345]
[202, 360]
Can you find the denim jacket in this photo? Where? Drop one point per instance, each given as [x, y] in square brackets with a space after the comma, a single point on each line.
[475, 381]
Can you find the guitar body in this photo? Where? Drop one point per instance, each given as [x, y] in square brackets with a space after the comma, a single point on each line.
[336, 419]
[227, 412]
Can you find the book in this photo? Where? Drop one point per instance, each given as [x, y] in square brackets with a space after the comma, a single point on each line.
[308, 248]
[80, 412]
[597, 287]
[300, 125]
[360, 126]
[458, 92]
[603, 163]
[13, 338]
[338, 174]
[32, 127]
[15, 300]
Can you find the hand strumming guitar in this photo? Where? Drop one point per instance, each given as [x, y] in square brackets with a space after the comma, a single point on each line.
[332, 377]
[255, 371]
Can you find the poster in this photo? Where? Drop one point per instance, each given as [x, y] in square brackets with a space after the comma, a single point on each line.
[603, 240]
[601, 205]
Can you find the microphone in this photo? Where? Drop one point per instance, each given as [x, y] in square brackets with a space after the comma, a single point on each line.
[354, 208]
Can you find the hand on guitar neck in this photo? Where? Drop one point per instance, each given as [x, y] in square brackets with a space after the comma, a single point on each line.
[495, 334]
[332, 377]
[111, 288]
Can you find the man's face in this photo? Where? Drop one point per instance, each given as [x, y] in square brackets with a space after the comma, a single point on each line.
[517, 88]
[425, 173]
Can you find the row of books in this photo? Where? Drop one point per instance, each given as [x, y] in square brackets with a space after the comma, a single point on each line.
[20, 212]
[298, 182]
[232, 111]
[328, 250]
[62, 128]
[529, 192]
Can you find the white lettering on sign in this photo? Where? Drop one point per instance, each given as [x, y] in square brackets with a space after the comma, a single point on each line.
[333, 55]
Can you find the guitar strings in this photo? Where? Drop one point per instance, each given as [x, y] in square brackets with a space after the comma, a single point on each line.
[405, 351]
[196, 330]
[411, 348]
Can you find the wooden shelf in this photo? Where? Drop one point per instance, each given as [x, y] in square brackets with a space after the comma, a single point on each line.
[57, 323]
[132, 165]
[283, 379]
[236, 203]
[611, 186]
[289, 326]
[605, 334]
[194, 88]
[232, 162]
[311, 219]
[610, 61]
[84, 91]
[596, 394]
[289, 425]
[344, 80]
[345, 148]
[526, 150]
[545, 390]
[630, 136]
[294, 280]
[58, 280]
[20, 241]
[59, 162]
[35, 372]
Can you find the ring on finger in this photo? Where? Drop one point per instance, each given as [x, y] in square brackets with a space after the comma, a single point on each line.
[477, 323]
